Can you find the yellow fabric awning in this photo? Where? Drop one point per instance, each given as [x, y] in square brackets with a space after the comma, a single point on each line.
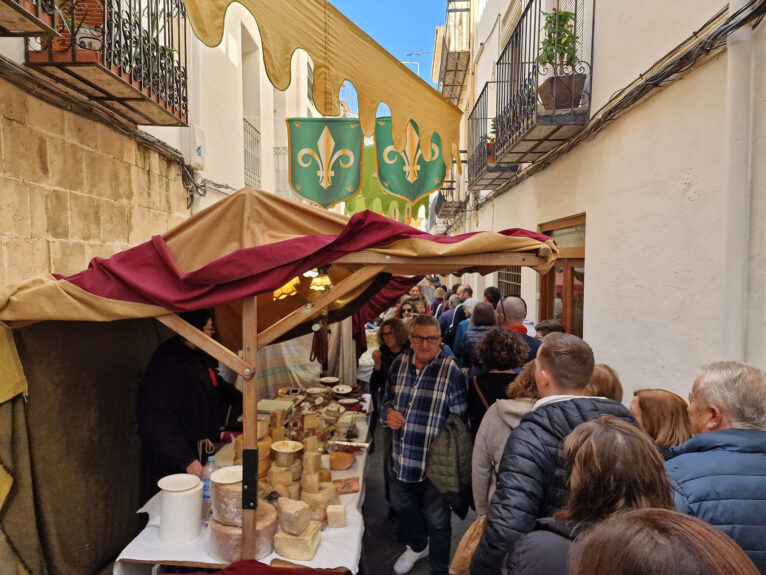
[340, 51]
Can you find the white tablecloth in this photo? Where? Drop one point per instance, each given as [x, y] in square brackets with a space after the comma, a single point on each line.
[340, 547]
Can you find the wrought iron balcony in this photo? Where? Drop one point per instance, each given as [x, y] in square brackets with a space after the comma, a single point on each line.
[484, 172]
[448, 204]
[130, 55]
[543, 81]
[456, 49]
[27, 17]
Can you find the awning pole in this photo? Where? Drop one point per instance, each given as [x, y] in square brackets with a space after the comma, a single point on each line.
[250, 417]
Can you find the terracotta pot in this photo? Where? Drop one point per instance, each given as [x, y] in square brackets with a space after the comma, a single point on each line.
[490, 152]
[562, 92]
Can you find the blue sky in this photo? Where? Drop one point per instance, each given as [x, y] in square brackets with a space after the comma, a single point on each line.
[401, 26]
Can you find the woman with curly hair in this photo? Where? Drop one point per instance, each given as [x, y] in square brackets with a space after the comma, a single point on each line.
[501, 353]
[501, 418]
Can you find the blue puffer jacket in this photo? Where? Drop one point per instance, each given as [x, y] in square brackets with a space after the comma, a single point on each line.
[531, 478]
[720, 477]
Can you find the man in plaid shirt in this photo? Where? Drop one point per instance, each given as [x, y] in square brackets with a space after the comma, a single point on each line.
[424, 386]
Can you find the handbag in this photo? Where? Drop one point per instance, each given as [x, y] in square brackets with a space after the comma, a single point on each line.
[461, 562]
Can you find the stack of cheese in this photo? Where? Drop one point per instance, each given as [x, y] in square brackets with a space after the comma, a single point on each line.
[226, 520]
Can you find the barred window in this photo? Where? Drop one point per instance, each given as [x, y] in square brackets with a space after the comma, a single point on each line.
[509, 281]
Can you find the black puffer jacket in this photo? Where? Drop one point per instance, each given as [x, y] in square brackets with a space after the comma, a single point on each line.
[531, 479]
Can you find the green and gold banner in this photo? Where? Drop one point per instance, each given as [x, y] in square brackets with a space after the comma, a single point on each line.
[325, 158]
[406, 174]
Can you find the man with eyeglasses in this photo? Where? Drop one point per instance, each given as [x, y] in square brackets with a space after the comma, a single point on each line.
[424, 386]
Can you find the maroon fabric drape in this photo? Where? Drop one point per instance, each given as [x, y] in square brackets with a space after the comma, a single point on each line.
[148, 274]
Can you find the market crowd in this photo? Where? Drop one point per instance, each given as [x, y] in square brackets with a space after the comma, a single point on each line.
[481, 408]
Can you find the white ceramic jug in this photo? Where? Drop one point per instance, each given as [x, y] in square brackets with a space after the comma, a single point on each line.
[180, 518]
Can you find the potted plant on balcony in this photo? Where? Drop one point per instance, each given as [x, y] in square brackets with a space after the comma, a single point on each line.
[559, 49]
[491, 142]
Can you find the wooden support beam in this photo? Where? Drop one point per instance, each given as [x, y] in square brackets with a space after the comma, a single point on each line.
[250, 412]
[313, 309]
[448, 263]
[206, 344]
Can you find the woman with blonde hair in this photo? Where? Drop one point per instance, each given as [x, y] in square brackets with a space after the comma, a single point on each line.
[658, 542]
[662, 414]
[613, 466]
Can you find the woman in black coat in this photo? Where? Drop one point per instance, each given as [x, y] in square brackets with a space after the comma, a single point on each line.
[613, 466]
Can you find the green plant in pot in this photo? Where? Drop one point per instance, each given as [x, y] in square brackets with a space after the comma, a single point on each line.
[559, 50]
[491, 142]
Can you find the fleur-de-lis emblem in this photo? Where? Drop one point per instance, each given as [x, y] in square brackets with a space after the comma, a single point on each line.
[437, 180]
[386, 183]
[381, 123]
[354, 125]
[350, 189]
[410, 155]
[325, 158]
[300, 187]
[297, 124]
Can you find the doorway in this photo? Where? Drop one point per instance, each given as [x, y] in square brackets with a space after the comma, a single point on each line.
[562, 289]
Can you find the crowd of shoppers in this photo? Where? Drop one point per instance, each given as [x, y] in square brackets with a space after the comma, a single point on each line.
[566, 478]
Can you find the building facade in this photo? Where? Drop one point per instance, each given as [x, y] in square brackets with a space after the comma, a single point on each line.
[125, 124]
[652, 179]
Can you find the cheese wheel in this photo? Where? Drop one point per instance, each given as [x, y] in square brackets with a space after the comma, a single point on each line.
[226, 503]
[263, 467]
[325, 496]
[264, 448]
[226, 540]
[301, 547]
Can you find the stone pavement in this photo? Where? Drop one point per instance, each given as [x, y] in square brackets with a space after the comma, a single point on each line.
[380, 548]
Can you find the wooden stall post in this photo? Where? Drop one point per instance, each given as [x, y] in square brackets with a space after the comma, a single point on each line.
[250, 416]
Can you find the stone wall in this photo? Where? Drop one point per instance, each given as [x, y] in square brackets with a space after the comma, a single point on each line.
[72, 189]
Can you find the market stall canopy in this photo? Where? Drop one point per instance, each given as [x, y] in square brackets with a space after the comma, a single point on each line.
[252, 243]
[340, 51]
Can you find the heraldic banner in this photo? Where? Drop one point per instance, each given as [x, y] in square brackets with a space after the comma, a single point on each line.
[325, 158]
[406, 174]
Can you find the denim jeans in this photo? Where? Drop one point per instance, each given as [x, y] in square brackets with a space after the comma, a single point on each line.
[425, 519]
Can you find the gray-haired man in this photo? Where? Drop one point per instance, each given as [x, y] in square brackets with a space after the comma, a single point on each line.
[719, 475]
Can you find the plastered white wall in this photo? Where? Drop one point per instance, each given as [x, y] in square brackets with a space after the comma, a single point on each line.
[652, 186]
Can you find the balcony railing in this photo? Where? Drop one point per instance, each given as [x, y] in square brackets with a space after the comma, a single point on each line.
[27, 17]
[456, 49]
[128, 54]
[252, 156]
[541, 104]
[484, 172]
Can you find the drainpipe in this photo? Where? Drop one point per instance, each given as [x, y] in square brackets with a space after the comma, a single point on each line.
[738, 201]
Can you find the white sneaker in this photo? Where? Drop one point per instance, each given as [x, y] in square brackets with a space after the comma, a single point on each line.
[407, 560]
